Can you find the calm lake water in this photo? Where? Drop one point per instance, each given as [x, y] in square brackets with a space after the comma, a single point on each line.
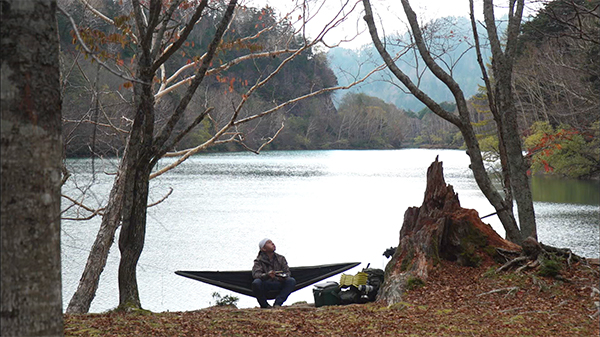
[318, 207]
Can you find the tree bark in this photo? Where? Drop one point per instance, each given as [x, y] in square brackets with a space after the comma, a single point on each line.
[144, 150]
[463, 122]
[502, 65]
[31, 145]
[135, 198]
[88, 284]
[439, 229]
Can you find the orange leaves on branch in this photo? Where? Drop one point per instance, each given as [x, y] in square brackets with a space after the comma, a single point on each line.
[549, 142]
[542, 150]
[547, 167]
[230, 81]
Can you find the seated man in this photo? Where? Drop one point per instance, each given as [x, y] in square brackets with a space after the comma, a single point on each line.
[271, 272]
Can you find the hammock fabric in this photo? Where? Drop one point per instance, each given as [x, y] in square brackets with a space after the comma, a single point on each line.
[241, 281]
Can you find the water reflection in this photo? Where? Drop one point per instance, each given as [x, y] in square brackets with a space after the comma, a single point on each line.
[570, 191]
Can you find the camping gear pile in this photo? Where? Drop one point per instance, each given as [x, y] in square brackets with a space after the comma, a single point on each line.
[359, 288]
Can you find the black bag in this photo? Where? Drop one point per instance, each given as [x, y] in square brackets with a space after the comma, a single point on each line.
[363, 293]
[375, 280]
[350, 295]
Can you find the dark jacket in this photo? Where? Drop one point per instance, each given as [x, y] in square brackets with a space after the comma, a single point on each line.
[262, 265]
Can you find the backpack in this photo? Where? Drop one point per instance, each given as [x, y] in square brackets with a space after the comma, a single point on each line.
[355, 289]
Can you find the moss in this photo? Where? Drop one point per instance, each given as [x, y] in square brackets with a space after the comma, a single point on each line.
[468, 257]
[517, 319]
[414, 283]
[490, 272]
[131, 308]
[549, 267]
[436, 251]
[491, 251]
[444, 311]
[88, 332]
[400, 306]
[470, 243]
[407, 260]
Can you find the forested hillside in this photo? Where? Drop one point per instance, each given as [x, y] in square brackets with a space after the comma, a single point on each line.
[556, 83]
[450, 38]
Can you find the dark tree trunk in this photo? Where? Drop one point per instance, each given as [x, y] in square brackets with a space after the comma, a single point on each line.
[30, 268]
[88, 284]
[502, 65]
[142, 152]
[462, 121]
[439, 229]
[137, 158]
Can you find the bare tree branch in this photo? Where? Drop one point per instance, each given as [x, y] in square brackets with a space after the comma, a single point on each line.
[182, 38]
[89, 52]
[185, 154]
[430, 103]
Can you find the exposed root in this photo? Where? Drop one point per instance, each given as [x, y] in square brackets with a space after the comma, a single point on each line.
[507, 254]
[530, 264]
[546, 259]
[511, 263]
[562, 252]
[595, 293]
[509, 290]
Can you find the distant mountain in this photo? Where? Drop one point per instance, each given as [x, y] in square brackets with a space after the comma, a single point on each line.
[450, 37]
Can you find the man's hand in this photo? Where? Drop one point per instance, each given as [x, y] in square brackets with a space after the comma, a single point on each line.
[271, 274]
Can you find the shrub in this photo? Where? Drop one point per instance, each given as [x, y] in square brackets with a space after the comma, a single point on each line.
[224, 301]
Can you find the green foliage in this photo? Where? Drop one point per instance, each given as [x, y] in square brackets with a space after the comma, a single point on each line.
[563, 150]
[448, 106]
[223, 301]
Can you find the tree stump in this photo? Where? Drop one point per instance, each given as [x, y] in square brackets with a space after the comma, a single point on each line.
[439, 229]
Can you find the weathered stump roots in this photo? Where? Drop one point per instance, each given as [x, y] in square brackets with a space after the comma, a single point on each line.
[439, 229]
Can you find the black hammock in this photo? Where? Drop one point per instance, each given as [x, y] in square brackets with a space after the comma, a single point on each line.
[241, 281]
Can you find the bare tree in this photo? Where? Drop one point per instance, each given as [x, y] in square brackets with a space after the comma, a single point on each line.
[158, 31]
[31, 171]
[499, 93]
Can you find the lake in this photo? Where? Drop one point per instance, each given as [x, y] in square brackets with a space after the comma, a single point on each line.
[318, 207]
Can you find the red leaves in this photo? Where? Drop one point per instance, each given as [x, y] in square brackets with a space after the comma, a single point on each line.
[550, 141]
[546, 146]
[547, 166]
[231, 81]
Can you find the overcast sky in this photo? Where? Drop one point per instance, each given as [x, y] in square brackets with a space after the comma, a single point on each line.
[389, 12]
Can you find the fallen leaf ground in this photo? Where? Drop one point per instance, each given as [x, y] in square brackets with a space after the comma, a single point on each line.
[455, 301]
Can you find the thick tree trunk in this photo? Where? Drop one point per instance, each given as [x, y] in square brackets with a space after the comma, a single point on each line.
[135, 198]
[30, 268]
[88, 284]
[439, 229]
[503, 206]
[131, 239]
[502, 65]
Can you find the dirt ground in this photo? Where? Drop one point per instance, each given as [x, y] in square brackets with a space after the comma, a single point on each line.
[455, 301]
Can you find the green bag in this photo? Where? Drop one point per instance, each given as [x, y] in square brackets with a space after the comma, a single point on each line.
[326, 293]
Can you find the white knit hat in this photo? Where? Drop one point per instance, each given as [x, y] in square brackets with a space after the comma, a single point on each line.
[262, 242]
